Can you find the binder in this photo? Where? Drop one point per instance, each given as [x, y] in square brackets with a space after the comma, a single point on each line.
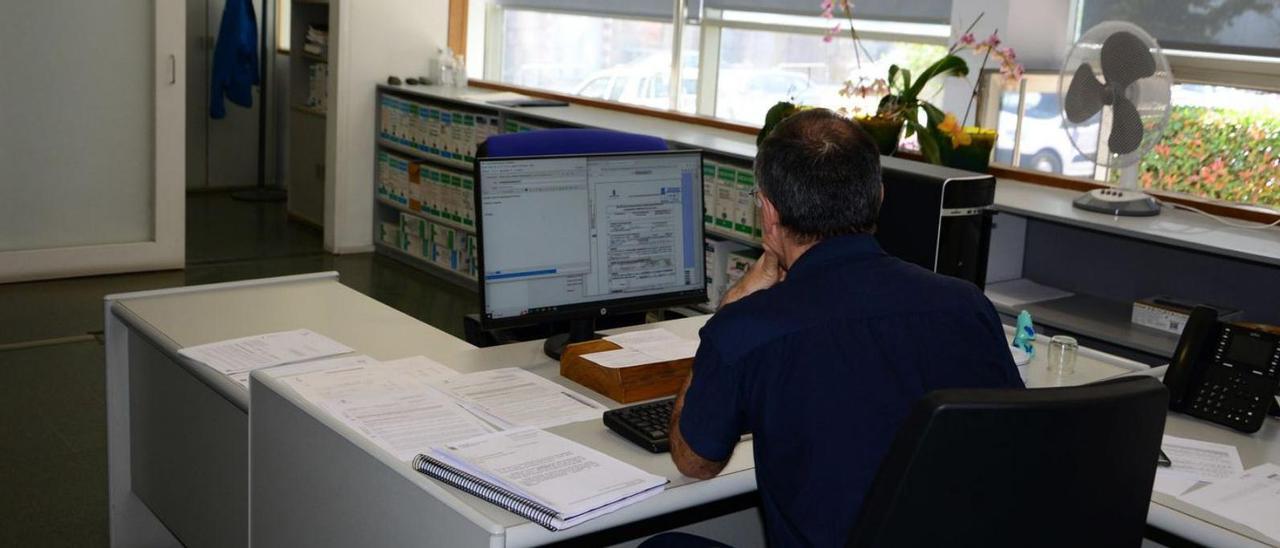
[493, 494]
[539, 476]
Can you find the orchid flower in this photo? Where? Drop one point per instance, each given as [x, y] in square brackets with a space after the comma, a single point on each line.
[950, 127]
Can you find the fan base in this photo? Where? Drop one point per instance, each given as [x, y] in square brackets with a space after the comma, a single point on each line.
[1119, 202]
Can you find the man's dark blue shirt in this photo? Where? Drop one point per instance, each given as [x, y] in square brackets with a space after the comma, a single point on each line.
[823, 367]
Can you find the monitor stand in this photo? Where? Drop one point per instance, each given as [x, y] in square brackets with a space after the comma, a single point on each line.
[579, 331]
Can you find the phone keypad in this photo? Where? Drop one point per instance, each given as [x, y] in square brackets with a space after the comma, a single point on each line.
[1235, 395]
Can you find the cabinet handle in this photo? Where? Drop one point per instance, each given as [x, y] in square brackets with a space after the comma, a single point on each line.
[173, 69]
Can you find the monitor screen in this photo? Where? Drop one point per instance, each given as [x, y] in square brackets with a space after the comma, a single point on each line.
[575, 233]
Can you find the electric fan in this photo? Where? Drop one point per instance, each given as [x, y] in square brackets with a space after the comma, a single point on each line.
[1116, 84]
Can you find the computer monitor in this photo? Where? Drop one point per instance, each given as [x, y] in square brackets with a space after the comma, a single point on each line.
[578, 237]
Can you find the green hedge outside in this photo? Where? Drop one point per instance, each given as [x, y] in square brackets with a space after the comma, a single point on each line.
[1225, 154]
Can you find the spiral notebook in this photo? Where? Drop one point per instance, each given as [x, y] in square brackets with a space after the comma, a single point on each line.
[540, 476]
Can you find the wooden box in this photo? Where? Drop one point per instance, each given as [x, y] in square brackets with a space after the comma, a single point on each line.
[627, 384]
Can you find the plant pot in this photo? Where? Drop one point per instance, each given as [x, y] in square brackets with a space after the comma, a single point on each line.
[885, 131]
[975, 156]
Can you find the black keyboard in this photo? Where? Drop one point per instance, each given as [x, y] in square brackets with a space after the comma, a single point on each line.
[644, 424]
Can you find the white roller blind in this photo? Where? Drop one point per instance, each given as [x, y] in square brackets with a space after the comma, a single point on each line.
[915, 11]
[1249, 27]
[646, 9]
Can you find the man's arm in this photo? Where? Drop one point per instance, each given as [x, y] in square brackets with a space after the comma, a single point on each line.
[765, 273]
[689, 462]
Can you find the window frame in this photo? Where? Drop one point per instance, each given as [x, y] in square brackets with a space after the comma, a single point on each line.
[1190, 67]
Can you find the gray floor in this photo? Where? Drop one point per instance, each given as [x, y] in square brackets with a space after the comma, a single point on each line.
[52, 407]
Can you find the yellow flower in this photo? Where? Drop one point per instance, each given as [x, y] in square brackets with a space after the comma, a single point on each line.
[953, 129]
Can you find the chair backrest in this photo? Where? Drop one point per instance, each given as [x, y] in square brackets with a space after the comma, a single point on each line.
[545, 142]
[1000, 467]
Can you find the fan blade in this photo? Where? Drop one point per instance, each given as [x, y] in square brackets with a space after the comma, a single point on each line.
[1126, 127]
[1126, 59]
[1084, 96]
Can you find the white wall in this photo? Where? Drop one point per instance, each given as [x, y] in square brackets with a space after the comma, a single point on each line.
[371, 40]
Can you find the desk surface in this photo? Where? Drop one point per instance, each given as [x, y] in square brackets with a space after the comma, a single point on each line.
[182, 318]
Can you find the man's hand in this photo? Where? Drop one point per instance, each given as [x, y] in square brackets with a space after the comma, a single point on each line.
[765, 273]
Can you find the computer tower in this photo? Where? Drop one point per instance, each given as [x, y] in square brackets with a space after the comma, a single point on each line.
[937, 217]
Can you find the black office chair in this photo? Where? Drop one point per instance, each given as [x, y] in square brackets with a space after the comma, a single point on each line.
[1064, 467]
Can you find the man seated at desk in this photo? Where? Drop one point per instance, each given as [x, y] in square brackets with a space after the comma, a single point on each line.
[823, 347]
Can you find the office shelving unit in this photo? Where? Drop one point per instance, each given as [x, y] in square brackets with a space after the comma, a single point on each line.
[418, 138]
[307, 124]
[423, 182]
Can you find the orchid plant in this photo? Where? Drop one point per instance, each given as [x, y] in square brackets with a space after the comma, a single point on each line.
[900, 94]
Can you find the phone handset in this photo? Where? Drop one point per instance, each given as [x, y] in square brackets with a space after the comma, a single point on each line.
[1188, 362]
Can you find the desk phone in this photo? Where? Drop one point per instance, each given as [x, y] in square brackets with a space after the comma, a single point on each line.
[1223, 372]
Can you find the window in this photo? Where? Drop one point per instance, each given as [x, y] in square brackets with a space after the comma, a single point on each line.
[756, 58]
[759, 68]
[739, 57]
[1040, 143]
[545, 50]
[1221, 142]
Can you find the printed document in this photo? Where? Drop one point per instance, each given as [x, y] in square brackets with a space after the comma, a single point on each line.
[513, 397]
[406, 422]
[419, 368]
[645, 336]
[245, 354]
[578, 482]
[388, 402]
[645, 346]
[336, 378]
[1251, 498]
[1195, 461]
[669, 351]
[622, 357]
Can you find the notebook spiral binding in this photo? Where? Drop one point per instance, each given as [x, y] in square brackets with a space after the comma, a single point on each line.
[504, 498]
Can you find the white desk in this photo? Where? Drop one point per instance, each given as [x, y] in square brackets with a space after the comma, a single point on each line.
[301, 455]
[178, 451]
[178, 444]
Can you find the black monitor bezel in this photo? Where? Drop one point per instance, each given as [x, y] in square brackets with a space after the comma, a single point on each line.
[596, 309]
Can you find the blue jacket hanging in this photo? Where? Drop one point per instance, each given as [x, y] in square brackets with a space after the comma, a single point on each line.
[235, 58]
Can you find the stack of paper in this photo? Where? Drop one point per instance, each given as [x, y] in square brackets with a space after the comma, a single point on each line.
[391, 403]
[642, 347]
[316, 41]
[411, 404]
[236, 358]
[541, 476]
[1251, 498]
[1194, 462]
[512, 397]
